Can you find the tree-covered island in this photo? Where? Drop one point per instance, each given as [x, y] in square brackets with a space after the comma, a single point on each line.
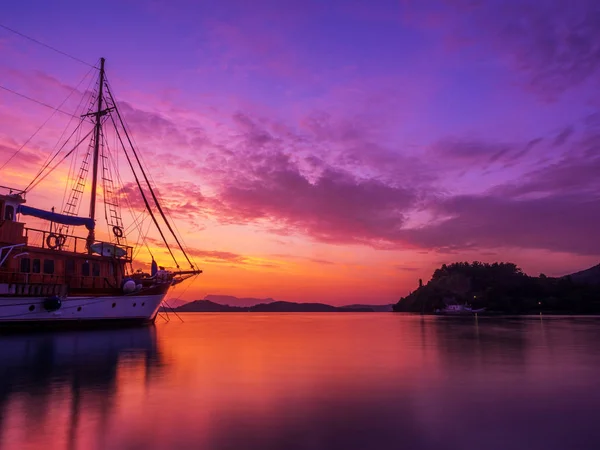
[504, 288]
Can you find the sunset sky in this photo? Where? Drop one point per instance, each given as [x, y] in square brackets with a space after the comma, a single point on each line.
[332, 151]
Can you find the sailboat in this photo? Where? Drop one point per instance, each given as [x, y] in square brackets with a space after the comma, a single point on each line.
[62, 273]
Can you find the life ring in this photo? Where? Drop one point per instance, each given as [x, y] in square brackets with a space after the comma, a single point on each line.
[54, 241]
[118, 231]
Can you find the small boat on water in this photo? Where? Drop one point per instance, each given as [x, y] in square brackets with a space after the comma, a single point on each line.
[455, 308]
[57, 275]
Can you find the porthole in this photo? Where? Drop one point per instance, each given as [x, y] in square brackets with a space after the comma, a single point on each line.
[78, 308]
[143, 303]
[114, 304]
[31, 308]
[134, 305]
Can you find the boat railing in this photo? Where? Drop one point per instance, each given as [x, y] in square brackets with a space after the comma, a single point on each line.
[69, 243]
[27, 283]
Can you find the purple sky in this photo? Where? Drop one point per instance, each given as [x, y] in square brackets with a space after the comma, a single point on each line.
[340, 150]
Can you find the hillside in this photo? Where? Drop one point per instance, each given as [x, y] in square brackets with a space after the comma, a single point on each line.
[504, 288]
[589, 276]
[208, 306]
[274, 306]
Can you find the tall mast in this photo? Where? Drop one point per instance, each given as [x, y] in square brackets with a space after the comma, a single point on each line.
[91, 236]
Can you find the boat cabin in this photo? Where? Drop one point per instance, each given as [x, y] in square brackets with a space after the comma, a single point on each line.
[53, 262]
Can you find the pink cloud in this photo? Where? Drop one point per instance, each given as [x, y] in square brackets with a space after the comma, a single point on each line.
[182, 200]
[267, 172]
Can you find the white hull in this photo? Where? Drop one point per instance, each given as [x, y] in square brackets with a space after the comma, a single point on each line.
[460, 311]
[137, 308]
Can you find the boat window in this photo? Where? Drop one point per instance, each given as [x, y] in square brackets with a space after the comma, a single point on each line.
[95, 269]
[85, 269]
[35, 266]
[9, 212]
[49, 266]
[70, 267]
[25, 265]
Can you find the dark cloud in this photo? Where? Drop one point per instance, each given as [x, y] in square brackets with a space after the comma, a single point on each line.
[556, 223]
[408, 269]
[563, 136]
[472, 151]
[337, 207]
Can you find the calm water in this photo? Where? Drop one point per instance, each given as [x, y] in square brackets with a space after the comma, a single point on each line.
[306, 381]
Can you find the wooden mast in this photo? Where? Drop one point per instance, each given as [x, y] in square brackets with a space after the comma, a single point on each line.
[91, 236]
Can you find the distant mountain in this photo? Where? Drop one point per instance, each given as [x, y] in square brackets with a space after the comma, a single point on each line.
[175, 303]
[208, 306]
[375, 308]
[303, 307]
[274, 306]
[235, 301]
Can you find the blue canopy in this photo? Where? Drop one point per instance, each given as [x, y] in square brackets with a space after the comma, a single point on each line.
[56, 217]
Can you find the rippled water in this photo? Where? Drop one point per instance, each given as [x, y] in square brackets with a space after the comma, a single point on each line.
[306, 381]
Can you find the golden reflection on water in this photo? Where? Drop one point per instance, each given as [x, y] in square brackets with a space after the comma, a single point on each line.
[317, 381]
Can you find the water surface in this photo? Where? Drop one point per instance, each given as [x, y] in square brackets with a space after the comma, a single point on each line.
[306, 381]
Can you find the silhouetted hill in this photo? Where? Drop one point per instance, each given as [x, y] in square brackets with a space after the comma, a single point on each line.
[236, 301]
[589, 276]
[208, 306]
[504, 288]
[275, 306]
[175, 303]
[303, 307]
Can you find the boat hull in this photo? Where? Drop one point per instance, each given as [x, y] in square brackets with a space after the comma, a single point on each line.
[459, 312]
[80, 311]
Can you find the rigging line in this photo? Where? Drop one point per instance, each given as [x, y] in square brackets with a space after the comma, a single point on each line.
[30, 187]
[142, 236]
[48, 162]
[102, 155]
[142, 191]
[64, 130]
[141, 217]
[186, 288]
[178, 236]
[145, 171]
[47, 46]
[37, 101]
[148, 183]
[172, 310]
[55, 152]
[73, 162]
[114, 216]
[70, 178]
[136, 220]
[55, 110]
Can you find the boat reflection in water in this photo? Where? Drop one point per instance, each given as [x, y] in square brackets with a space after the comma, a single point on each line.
[65, 385]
